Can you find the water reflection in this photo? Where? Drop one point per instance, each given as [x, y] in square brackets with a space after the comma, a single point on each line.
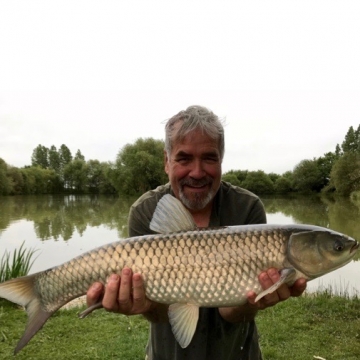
[340, 215]
[59, 217]
[62, 227]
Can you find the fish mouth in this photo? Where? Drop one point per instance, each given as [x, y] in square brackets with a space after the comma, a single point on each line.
[354, 247]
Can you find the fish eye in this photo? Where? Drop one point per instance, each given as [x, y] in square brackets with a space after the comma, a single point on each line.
[338, 246]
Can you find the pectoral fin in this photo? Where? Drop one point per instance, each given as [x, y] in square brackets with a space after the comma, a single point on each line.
[286, 276]
[183, 319]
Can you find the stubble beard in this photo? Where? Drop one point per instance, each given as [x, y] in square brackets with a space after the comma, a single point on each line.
[197, 201]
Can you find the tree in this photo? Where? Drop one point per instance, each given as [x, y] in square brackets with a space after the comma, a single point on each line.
[139, 167]
[325, 164]
[307, 176]
[79, 156]
[351, 142]
[231, 178]
[98, 177]
[282, 185]
[5, 182]
[258, 182]
[240, 174]
[40, 157]
[345, 174]
[16, 179]
[54, 159]
[273, 177]
[64, 156]
[76, 176]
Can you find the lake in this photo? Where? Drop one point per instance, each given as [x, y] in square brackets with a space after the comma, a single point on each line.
[62, 227]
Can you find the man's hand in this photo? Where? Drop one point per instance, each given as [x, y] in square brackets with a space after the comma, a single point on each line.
[124, 294]
[267, 279]
[247, 312]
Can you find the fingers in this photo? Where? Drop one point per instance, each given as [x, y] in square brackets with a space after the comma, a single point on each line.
[94, 294]
[110, 300]
[140, 301]
[126, 294]
[298, 288]
[267, 279]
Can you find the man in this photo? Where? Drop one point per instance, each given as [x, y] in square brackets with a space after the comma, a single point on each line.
[194, 149]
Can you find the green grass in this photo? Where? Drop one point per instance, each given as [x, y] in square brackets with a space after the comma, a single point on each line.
[300, 328]
[19, 264]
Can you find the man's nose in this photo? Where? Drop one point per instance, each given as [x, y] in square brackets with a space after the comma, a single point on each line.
[197, 170]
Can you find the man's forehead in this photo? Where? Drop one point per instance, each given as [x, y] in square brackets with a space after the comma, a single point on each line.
[190, 148]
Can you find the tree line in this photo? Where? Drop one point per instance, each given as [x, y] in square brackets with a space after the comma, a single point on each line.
[337, 171]
[139, 167]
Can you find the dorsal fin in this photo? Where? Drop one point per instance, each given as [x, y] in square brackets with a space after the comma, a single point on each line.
[171, 216]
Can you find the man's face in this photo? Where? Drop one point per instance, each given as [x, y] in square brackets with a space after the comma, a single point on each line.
[194, 170]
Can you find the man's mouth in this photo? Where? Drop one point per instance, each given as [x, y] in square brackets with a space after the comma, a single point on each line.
[196, 185]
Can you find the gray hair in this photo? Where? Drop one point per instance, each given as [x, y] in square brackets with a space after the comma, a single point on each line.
[194, 117]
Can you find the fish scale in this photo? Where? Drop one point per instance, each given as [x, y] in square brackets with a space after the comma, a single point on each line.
[187, 269]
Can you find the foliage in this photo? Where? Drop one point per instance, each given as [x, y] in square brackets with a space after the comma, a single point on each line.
[76, 176]
[345, 173]
[258, 182]
[139, 167]
[325, 163]
[282, 185]
[64, 156]
[38, 180]
[16, 179]
[79, 156]
[307, 176]
[19, 266]
[5, 182]
[231, 178]
[40, 157]
[240, 174]
[351, 142]
[273, 177]
[54, 159]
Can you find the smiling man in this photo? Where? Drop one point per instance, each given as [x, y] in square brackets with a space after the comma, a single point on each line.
[194, 149]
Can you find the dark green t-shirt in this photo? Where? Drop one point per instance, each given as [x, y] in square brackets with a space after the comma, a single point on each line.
[214, 338]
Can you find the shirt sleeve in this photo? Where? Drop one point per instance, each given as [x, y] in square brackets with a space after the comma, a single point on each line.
[138, 223]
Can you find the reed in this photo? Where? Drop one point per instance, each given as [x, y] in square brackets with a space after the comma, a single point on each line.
[16, 265]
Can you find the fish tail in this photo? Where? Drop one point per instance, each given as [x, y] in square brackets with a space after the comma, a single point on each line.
[22, 291]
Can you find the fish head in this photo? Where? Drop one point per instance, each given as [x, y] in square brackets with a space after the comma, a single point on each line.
[317, 252]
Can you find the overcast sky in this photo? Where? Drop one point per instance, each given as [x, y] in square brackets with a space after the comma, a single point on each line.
[97, 75]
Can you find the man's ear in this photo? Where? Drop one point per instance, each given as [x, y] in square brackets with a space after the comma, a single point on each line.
[166, 162]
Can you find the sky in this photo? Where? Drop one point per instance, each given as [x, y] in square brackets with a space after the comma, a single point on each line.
[97, 75]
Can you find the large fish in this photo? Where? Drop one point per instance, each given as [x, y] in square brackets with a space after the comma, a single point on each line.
[186, 267]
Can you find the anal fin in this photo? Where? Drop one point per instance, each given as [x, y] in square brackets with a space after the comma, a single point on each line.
[183, 319]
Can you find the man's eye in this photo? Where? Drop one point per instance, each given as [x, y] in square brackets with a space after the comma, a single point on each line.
[182, 160]
[212, 159]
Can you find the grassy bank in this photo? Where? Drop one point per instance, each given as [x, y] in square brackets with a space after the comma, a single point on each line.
[321, 326]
